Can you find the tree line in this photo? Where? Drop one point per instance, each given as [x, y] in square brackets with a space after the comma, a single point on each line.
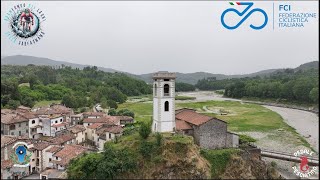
[25, 85]
[301, 86]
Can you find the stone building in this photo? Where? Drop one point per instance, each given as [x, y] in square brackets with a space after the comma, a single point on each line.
[208, 132]
[16, 123]
[76, 119]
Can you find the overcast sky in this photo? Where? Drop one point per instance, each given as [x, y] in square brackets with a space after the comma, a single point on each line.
[181, 36]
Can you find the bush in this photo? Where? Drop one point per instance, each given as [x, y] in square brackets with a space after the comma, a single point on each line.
[112, 112]
[145, 130]
[146, 149]
[159, 139]
[245, 139]
[218, 160]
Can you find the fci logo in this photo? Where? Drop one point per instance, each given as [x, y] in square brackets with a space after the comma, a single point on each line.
[249, 5]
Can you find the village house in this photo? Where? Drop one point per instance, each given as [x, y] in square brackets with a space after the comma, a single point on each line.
[62, 158]
[37, 162]
[208, 132]
[94, 114]
[124, 120]
[47, 125]
[79, 132]
[105, 134]
[49, 153]
[63, 139]
[76, 119]
[91, 135]
[16, 122]
[55, 110]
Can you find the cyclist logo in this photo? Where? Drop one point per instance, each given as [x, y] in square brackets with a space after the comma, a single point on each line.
[249, 5]
[25, 24]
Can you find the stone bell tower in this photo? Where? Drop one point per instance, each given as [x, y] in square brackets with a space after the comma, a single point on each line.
[163, 102]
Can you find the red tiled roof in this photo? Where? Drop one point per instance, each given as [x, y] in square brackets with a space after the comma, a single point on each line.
[16, 117]
[95, 125]
[111, 129]
[60, 124]
[41, 145]
[94, 114]
[192, 117]
[126, 118]
[6, 164]
[77, 128]
[6, 140]
[105, 119]
[69, 152]
[61, 138]
[182, 125]
[54, 149]
[54, 109]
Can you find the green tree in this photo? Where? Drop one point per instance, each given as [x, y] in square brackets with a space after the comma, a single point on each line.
[145, 130]
[314, 95]
[112, 104]
[112, 112]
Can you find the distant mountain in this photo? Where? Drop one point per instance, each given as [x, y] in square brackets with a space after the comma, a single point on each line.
[307, 66]
[191, 78]
[25, 60]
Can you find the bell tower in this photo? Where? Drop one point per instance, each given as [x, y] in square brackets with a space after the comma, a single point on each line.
[163, 102]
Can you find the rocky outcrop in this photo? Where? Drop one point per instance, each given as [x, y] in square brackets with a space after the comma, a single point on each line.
[246, 166]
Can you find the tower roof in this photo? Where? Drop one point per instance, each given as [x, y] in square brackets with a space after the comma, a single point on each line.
[164, 75]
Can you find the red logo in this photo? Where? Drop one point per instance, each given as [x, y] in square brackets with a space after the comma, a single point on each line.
[304, 164]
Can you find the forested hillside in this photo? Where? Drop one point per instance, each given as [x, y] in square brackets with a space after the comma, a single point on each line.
[76, 88]
[292, 85]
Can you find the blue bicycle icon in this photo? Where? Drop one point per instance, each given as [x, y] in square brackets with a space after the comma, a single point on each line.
[249, 4]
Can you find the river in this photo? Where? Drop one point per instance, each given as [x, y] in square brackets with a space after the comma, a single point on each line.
[305, 123]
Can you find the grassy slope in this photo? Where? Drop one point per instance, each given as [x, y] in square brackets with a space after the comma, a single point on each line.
[174, 153]
[46, 103]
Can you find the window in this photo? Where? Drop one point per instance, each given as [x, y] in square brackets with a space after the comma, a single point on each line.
[56, 158]
[40, 120]
[60, 120]
[166, 89]
[33, 121]
[19, 124]
[12, 133]
[166, 80]
[19, 133]
[166, 106]
[109, 135]
[56, 121]
[12, 127]
[50, 159]
[27, 130]
[27, 124]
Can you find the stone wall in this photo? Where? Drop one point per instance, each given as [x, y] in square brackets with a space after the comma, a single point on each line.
[211, 135]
